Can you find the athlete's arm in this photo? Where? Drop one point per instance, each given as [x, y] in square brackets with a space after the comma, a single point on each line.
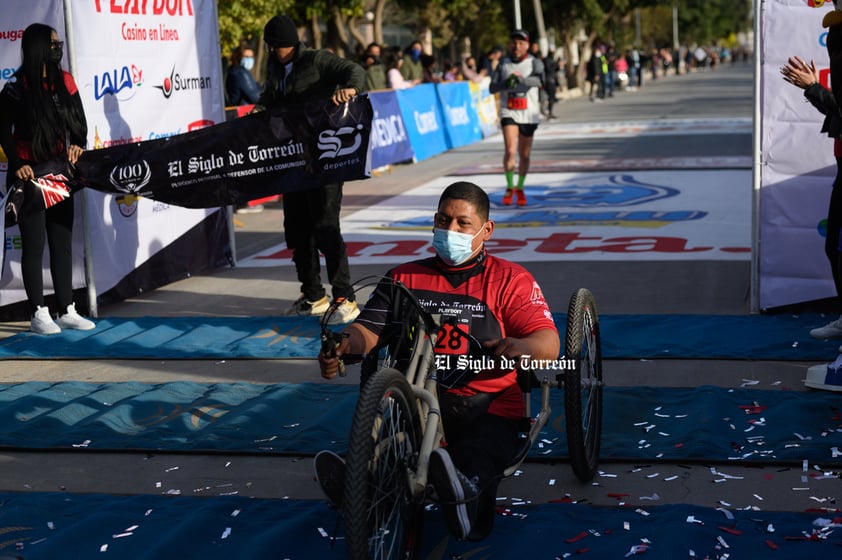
[357, 340]
[542, 344]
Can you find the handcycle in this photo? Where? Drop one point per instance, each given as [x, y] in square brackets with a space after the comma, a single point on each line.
[397, 425]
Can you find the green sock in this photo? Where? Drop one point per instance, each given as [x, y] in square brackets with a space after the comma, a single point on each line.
[520, 180]
[510, 179]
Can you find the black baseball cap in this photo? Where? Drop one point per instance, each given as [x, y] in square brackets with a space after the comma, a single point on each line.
[519, 34]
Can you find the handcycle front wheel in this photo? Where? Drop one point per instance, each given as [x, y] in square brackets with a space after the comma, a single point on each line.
[383, 520]
[583, 385]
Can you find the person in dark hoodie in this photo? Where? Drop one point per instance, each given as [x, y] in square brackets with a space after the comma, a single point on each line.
[296, 74]
[806, 76]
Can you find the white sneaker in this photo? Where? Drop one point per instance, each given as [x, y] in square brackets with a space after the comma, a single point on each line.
[342, 311]
[42, 322]
[830, 330]
[72, 320]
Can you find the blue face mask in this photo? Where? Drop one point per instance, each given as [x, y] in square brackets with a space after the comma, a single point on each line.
[453, 247]
[247, 62]
[415, 54]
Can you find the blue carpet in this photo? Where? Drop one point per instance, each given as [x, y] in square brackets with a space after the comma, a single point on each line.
[751, 337]
[70, 526]
[647, 423]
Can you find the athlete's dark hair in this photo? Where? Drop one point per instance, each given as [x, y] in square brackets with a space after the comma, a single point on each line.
[834, 52]
[469, 192]
[43, 78]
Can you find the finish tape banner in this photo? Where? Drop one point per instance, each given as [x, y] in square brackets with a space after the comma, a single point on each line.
[262, 154]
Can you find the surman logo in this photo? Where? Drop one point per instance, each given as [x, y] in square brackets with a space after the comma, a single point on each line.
[177, 82]
[131, 178]
[331, 142]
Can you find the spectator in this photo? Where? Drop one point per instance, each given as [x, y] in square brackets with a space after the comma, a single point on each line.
[412, 69]
[375, 72]
[394, 78]
[240, 86]
[551, 68]
[469, 69]
[431, 72]
[42, 118]
[492, 59]
[806, 77]
[297, 74]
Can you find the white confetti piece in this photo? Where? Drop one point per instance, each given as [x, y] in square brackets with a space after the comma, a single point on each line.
[626, 526]
[121, 535]
[671, 478]
[692, 519]
[642, 512]
[654, 497]
[552, 482]
[322, 532]
[226, 533]
[85, 443]
[756, 497]
[103, 548]
[51, 526]
[235, 513]
[172, 469]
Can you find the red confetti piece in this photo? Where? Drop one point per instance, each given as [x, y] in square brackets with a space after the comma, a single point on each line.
[577, 538]
[677, 445]
[731, 530]
[771, 545]
[769, 476]
[617, 495]
[752, 409]
[583, 550]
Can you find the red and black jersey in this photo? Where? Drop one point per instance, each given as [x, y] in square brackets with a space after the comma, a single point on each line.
[486, 299]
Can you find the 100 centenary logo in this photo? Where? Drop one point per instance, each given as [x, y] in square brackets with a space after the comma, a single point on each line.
[130, 178]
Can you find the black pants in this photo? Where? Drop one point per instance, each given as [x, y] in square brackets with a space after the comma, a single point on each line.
[311, 224]
[53, 226]
[482, 447]
[834, 224]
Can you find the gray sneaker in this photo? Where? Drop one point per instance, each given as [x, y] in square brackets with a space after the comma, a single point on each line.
[72, 320]
[457, 494]
[303, 306]
[42, 322]
[831, 330]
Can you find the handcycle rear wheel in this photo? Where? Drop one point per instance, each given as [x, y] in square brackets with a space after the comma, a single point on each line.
[382, 518]
[583, 385]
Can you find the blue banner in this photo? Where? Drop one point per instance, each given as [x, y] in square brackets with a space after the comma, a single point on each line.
[389, 138]
[460, 114]
[423, 119]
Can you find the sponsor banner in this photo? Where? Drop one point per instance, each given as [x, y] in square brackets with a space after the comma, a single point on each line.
[486, 107]
[460, 115]
[150, 71]
[798, 167]
[389, 137]
[266, 153]
[423, 119]
[644, 216]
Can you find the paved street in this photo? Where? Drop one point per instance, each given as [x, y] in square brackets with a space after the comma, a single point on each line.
[701, 117]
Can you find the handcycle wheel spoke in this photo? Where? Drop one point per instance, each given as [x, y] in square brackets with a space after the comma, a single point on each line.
[382, 517]
[583, 385]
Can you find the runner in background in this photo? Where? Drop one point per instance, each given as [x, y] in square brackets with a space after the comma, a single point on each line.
[518, 78]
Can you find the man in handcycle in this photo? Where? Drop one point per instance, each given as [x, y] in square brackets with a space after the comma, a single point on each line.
[497, 304]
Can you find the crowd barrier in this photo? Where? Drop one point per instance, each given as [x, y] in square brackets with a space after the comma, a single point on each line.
[414, 124]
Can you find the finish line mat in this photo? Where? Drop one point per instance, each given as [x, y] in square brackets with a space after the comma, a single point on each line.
[639, 423]
[750, 337]
[74, 526]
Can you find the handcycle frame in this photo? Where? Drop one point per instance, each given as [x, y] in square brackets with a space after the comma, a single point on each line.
[397, 424]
